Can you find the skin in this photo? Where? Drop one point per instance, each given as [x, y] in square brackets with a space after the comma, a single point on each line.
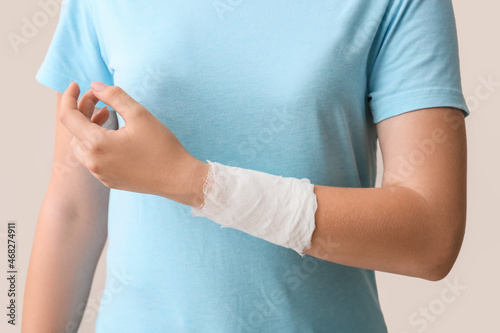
[70, 235]
[412, 225]
[143, 156]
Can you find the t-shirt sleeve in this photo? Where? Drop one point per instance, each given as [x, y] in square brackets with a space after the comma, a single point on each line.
[75, 53]
[415, 60]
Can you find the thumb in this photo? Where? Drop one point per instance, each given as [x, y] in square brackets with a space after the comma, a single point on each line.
[118, 99]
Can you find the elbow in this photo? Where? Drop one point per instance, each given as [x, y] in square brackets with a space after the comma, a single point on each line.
[430, 264]
[441, 252]
[440, 260]
[437, 271]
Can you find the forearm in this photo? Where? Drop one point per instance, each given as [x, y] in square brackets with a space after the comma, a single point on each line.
[391, 229]
[62, 265]
[394, 228]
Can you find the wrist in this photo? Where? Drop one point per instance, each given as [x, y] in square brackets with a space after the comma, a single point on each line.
[184, 183]
[197, 180]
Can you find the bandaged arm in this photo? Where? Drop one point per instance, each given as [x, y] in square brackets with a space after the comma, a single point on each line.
[277, 209]
[414, 224]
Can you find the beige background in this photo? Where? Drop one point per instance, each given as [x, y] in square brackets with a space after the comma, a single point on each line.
[27, 137]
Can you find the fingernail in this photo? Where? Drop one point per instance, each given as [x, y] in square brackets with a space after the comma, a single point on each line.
[98, 86]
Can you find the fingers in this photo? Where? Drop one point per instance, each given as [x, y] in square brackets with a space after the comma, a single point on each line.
[74, 120]
[87, 103]
[101, 116]
[70, 97]
[118, 99]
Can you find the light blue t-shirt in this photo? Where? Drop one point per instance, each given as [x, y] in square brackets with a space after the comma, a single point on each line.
[291, 88]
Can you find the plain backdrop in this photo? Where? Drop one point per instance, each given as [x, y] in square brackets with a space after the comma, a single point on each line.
[468, 300]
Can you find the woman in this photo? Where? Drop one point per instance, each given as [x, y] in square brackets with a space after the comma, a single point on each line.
[289, 89]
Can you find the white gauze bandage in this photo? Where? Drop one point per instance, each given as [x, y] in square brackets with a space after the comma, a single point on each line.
[277, 209]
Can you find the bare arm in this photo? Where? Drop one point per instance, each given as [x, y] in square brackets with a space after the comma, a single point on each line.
[414, 224]
[70, 235]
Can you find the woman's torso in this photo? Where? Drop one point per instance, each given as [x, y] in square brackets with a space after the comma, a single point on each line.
[274, 86]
